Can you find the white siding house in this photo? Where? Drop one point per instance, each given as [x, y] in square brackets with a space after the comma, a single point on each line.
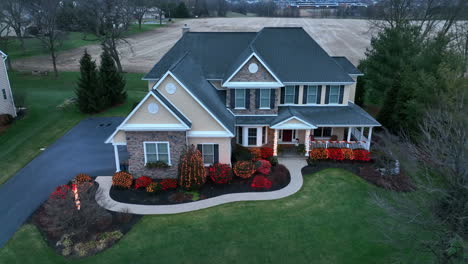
[7, 105]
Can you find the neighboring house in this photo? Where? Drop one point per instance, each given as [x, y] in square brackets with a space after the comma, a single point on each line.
[7, 104]
[268, 88]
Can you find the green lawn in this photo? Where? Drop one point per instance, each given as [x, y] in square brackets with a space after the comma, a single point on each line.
[44, 122]
[330, 220]
[73, 40]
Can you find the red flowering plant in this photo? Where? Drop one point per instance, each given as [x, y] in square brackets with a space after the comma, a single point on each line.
[335, 153]
[168, 184]
[266, 152]
[61, 192]
[142, 182]
[361, 154]
[263, 167]
[318, 154]
[261, 182]
[347, 154]
[244, 169]
[220, 173]
[256, 154]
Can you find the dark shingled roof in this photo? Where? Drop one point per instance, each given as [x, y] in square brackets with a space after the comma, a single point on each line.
[189, 73]
[254, 120]
[347, 66]
[172, 107]
[289, 52]
[350, 115]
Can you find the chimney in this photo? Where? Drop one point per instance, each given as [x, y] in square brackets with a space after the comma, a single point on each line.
[185, 29]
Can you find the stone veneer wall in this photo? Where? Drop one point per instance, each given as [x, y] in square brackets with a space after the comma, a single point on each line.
[244, 75]
[252, 110]
[136, 161]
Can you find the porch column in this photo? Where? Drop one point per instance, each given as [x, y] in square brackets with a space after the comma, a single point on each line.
[349, 136]
[275, 143]
[307, 142]
[369, 138]
[117, 160]
[362, 133]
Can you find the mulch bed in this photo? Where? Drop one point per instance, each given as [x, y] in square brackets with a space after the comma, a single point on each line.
[367, 171]
[279, 176]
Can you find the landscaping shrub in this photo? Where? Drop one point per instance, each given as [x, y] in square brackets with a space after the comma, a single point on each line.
[347, 154]
[143, 182]
[318, 153]
[361, 154]
[263, 167]
[180, 197]
[300, 149]
[273, 160]
[261, 182]
[240, 153]
[256, 154]
[266, 152]
[153, 187]
[158, 165]
[220, 173]
[168, 184]
[279, 175]
[122, 179]
[244, 169]
[5, 119]
[80, 178]
[192, 172]
[335, 153]
[61, 192]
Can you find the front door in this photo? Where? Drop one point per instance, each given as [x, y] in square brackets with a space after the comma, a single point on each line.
[287, 135]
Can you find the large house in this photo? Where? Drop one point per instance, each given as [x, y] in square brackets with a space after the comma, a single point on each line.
[7, 105]
[268, 88]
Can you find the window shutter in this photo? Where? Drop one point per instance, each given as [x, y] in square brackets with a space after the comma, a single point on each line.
[304, 94]
[200, 148]
[216, 153]
[319, 94]
[327, 94]
[272, 98]
[247, 98]
[341, 94]
[296, 95]
[257, 98]
[233, 98]
[282, 95]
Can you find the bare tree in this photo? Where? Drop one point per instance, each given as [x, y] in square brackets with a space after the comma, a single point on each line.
[5, 40]
[139, 9]
[434, 218]
[461, 41]
[15, 16]
[44, 14]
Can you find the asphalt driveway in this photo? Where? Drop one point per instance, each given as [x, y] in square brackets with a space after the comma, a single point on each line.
[80, 150]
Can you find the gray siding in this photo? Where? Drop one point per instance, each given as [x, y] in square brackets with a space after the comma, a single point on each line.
[6, 106]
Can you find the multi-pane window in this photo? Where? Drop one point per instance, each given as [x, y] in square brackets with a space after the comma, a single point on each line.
[323, 132]
[157, 151]
[252, 136]
[240, 98]
[312, 94]
[289, 94]
[265, 98]
[208, 153]
[334, 96]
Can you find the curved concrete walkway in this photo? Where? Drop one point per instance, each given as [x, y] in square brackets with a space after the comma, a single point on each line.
[294, 166]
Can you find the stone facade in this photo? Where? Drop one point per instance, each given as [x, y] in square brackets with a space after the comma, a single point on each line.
[244, 75]
[135, 148]
[252, 110]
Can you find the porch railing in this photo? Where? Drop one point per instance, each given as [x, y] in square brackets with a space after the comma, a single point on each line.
[338, 144]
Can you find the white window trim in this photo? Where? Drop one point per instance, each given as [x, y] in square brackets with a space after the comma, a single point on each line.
[269, 99]
[158, 142]
[329, 94]
[235, 100]
[245, 136]
[293, 136]
[308, 93]
[293, 94]
[203, 158]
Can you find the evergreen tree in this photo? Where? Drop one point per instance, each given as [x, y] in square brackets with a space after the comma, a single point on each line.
[87, 85]
[360, 94]
[181, 11]
[112, 84]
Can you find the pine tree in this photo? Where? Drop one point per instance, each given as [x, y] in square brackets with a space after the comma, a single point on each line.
[112, 84]
[181, 11]
[87, 85]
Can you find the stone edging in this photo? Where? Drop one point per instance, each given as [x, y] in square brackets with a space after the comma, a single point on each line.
[294, 166]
